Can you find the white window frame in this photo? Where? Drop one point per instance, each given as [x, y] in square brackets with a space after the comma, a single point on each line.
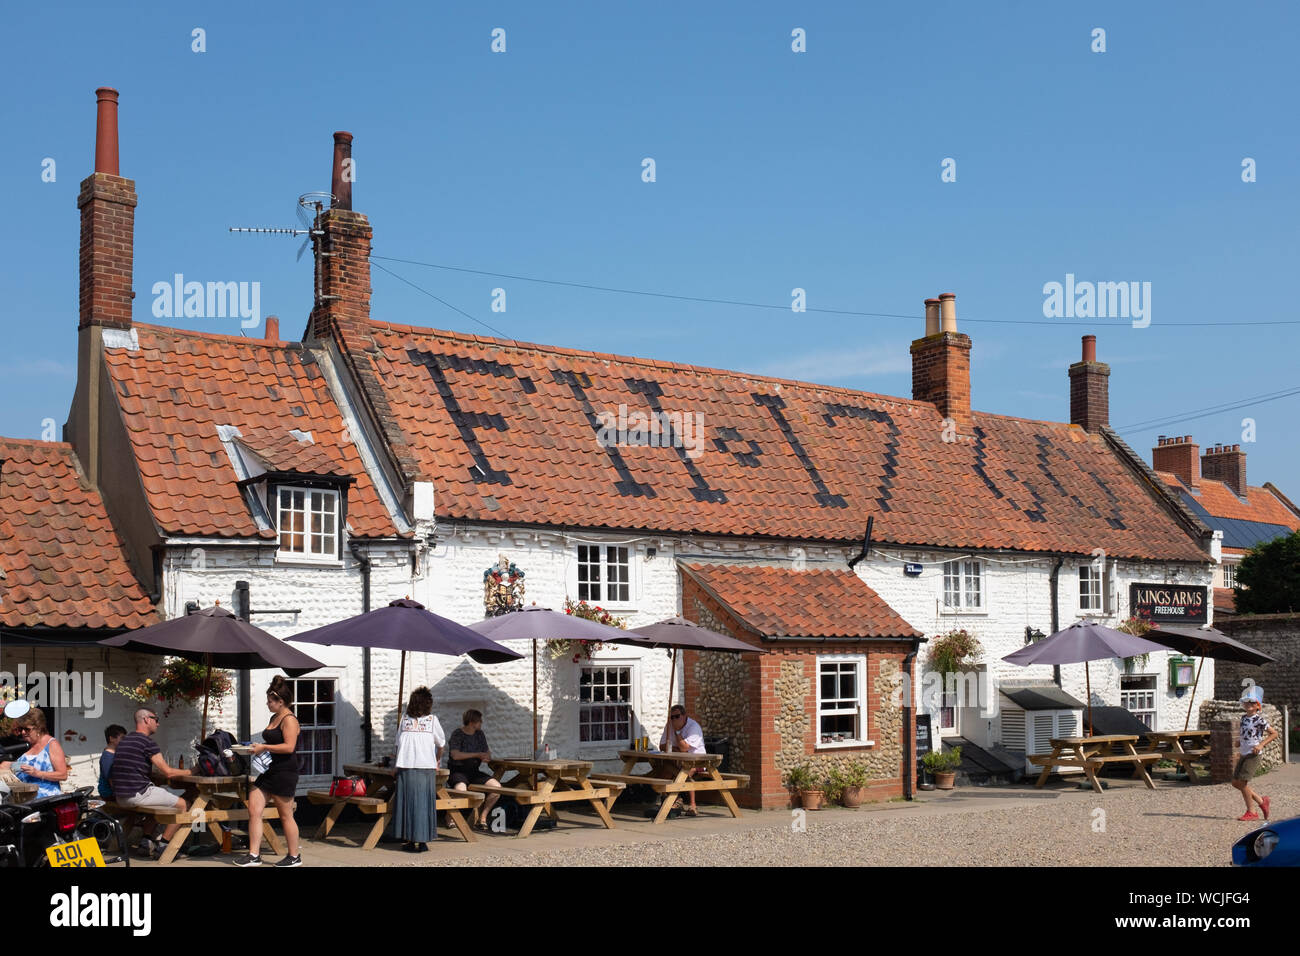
[860, 681]
[309, 557]
[308, 781]
[587, 747]
[1126, 701]
[961, 570]
[633, 574]
[1092, 583]
[1229, 574]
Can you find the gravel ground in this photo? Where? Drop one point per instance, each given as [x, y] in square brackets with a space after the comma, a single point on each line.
[1178, 825]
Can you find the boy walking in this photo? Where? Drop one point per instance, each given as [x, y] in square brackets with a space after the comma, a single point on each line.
[1256, 734]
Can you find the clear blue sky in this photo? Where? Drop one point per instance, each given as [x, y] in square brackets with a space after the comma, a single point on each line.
[775, 170]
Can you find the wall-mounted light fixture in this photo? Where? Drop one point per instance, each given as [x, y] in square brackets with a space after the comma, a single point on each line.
[1033, 635]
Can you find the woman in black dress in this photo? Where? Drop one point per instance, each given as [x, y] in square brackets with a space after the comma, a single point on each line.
[279, 781]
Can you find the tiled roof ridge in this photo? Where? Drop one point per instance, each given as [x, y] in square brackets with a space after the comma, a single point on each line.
[219, 337]
[1277, 493]
[1193, 525]
[35, 442]
[662, 364]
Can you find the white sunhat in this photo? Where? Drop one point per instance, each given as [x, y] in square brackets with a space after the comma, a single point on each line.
[1253, 692]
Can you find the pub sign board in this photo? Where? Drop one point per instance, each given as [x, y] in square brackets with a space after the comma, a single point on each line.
[1169, 603]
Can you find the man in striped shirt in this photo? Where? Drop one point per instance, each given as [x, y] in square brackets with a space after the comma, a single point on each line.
[137, 755]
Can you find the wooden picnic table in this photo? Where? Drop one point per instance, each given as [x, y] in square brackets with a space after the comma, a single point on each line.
[671, 775]
[1091, 753]
[1182, 746]
[380, 800]
[541, 784]
[216, 800]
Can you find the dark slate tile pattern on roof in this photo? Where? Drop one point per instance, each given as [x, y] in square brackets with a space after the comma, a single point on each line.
[777, 458]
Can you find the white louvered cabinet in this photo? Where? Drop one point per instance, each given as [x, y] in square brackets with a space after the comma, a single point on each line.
[1029, 732]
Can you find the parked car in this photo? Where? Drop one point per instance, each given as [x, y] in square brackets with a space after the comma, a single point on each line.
[1277, 844]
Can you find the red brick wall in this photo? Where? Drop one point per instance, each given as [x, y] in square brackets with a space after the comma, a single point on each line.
[344, 274]
[1090, 395]
[1178, 456]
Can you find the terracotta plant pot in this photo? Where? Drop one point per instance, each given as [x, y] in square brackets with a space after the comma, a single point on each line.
[853, 796]
[945, 781]
[812, 799]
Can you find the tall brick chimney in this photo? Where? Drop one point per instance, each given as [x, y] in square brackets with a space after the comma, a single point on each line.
[343, 262]
[941, 361]
[107, 203]
[1089, 389]
[1178, 455]
[1226, 463]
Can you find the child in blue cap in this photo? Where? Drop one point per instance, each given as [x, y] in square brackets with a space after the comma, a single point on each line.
[1256, 734]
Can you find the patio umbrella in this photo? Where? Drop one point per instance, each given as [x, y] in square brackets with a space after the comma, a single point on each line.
[1204, 641]
[678, 633]
[1081, 642]
[408, 625]
[542, 624]
[216, 637]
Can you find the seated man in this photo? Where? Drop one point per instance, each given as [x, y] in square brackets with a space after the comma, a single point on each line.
[113, 734]
[136, 755]
[687, 737]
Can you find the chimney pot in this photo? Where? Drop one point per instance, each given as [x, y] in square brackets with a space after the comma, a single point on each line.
[948, 312]
[340, 185]
[1090, 348]
[272, 328]
[106, 131]
[931, 316]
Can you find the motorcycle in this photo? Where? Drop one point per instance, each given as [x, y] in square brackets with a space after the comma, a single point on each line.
[27, 830]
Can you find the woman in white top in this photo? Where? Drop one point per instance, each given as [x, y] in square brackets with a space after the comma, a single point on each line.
[419, 748]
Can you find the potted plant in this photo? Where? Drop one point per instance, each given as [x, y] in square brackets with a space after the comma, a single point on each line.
[810, 791]
[943, 764]
[834, 786]
[855, 781]
[1138, 627]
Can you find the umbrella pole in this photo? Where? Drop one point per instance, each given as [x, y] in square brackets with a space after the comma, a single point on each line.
[401, 681]
[207, 684]
[534, 697]
[1087, 676]
[1192, 703]
[672, 688]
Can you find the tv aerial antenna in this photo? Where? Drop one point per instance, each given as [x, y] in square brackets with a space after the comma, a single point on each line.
[315, 201]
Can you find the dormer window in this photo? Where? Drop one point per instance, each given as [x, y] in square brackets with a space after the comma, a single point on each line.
[307, 520]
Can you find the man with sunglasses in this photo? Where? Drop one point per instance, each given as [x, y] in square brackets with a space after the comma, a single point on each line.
[687, 738]
[137, 755]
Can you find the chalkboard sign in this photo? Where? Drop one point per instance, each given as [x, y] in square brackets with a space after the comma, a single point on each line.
[922, 735]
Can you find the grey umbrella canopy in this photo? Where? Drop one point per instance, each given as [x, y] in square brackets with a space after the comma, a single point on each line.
[407, 625]
[1204, 641]
[1080, 643]
[542, 624]
[216, 637]
[680, 634]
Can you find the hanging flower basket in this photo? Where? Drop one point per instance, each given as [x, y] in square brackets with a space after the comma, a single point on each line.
[179, 681]
[582, 648]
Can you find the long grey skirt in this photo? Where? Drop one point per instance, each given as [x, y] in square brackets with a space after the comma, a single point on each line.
[415, 816]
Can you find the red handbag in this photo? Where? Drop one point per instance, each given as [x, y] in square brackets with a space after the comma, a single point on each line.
[347, 787]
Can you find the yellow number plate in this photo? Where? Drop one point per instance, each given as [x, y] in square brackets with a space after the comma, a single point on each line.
[82, 853]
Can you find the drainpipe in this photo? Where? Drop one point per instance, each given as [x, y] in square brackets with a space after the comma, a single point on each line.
[366, 729]
[245, 683]
[1056, 613]
[909, 733]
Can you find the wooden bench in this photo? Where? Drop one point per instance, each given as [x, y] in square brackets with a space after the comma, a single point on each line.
[383, 808]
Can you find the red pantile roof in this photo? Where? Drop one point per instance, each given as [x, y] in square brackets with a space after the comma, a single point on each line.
[508, 432]
[178, 386]
[781, 602]
[1225, 601]
[1221, 501]
[60, 557]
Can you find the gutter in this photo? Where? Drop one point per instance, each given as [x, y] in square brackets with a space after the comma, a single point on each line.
[1056, 612]
[367, 730]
